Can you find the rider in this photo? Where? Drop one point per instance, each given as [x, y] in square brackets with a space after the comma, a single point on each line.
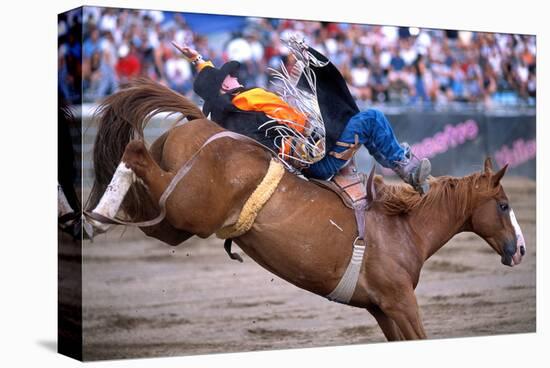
[246, 110]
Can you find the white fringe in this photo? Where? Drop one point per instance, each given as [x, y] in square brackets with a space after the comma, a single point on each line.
[312, 141]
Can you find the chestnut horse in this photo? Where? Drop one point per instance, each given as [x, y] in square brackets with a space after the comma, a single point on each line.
[304, 233]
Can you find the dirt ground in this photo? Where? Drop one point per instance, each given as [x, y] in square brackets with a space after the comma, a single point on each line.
[142, 298]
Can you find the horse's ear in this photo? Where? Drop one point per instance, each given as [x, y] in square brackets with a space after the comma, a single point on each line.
[495, 179]
[488, 166]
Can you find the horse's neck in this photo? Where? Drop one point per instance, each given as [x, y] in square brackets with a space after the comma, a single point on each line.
[437, 223]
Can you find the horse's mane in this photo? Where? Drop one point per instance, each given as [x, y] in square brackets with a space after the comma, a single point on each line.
[398, 199]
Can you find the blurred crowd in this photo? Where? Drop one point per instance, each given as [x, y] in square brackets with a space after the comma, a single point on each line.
[382, 64]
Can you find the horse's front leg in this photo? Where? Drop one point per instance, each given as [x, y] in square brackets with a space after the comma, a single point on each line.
[391, 289]
[401, 306]
[388, 327]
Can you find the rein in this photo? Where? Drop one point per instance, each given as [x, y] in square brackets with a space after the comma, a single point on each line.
[174, 182]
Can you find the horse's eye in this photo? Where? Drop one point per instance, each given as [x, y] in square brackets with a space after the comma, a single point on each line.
[503, 207]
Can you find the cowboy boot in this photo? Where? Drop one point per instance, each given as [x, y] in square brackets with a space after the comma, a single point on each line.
[414, 171]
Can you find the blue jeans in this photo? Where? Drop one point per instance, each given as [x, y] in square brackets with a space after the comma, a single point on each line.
[375, 132]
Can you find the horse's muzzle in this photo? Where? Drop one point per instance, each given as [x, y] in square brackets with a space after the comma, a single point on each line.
[506, 260]
[512, 254]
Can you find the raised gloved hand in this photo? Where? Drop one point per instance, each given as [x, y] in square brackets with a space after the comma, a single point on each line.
[188, 52]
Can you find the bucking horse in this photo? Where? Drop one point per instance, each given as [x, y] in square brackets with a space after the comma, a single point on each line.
[197, 180]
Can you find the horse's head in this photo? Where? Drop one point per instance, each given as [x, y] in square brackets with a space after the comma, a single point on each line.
[493, 218]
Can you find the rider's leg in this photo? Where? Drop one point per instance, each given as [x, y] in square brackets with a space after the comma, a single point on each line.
[327, 167]
[372, 129]
[375, 132]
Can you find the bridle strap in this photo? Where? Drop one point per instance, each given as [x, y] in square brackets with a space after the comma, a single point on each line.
[174, 182]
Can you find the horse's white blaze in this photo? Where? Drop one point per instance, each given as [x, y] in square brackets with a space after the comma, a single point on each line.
[63, 206]
[520, 240]
[114, 194]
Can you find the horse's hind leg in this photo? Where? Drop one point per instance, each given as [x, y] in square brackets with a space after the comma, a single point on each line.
[141, 162]
[135, 160]
[389, 328]
[137, 157]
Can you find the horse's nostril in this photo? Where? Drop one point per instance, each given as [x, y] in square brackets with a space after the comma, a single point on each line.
[510, 248]
[522, 250]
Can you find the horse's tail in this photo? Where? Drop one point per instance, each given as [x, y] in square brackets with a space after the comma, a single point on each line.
[123, 117]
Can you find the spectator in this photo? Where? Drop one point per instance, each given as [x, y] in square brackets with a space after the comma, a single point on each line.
[129, 65]
[70, 63]
[532, 85]
[458, 81]
[398, 75]
[179, 75]
[108, 20]
[521, 75]
[408, 52]
[359, 79]
[424, 88]
[98, 78]
[92, 44]
[377, 61]
[473, 89]
[489, 84]
[379, 83]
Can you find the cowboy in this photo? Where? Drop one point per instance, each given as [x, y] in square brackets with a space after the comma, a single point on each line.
[245, 110]
[238, 109]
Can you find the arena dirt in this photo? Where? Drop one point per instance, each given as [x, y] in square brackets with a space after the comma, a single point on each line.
[144, 298]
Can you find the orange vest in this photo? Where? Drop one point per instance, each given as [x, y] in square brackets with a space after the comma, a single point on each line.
[258, 99]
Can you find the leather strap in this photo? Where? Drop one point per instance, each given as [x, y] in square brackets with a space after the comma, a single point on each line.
[350, 152]
[345, 144]
[343, 292]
